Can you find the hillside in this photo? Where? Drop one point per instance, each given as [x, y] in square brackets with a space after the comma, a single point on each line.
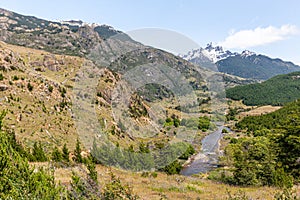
[114, 103]
[109, 55]
[267, 150]
[69, 37]
[275, 91]
[35, 90]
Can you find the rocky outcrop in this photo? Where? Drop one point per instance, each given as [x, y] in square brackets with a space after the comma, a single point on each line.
[3, 87]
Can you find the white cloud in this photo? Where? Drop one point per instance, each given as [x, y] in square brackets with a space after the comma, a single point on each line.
[259, 36]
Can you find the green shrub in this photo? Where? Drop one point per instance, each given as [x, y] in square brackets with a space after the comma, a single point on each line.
[78, 158]
[65, 153]
[50, 88]
[15, 78]
[240, 195]
[38, 154]
[92, 170]
[56, 155]
[173, 168]
[189, 151]
[115, 190]
[29, 87]
[287, 194]
[20, 181]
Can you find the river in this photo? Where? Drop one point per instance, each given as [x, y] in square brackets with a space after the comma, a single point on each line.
[207, 159]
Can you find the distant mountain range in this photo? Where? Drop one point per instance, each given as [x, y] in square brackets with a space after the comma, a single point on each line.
[246, 64]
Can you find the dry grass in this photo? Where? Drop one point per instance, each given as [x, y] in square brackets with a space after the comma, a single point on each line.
[35, 115]
[259, 111]
[165, 186]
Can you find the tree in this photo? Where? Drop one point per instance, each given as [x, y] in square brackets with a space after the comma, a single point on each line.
[77, 152]
[115, 190]
[82, 188]
[173, 168]
[65, 153]
[29, 87]
[92, 171]
[56, 155]
[38, 153]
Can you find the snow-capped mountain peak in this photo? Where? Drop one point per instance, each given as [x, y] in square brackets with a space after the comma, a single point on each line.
[213, 53]
[247, 53]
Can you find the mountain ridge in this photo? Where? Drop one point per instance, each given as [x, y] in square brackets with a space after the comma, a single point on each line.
[246, 64]
[75, 36]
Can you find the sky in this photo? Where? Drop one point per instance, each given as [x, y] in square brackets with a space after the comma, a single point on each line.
[269, 27]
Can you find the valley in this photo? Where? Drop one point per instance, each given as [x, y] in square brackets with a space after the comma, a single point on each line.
[89, 113]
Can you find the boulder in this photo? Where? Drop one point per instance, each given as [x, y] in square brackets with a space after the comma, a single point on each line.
[3, 87]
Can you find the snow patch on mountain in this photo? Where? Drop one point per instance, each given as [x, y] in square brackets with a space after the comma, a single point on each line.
[214, 54]
[247, 53]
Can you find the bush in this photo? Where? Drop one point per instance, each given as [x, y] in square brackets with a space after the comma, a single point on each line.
[92, 171]
[115, 190]
[50, 88]
[173, 168]
[15, 78]
[189, 151]
[38, 153]
[29, 87]
[78, 158]
[56, 155]
[204, 123]
[82, 188]
[65, 153]
[224, 130]
[287, 194]
[240, 195]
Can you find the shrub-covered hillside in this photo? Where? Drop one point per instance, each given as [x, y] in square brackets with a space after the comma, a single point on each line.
[270, 153]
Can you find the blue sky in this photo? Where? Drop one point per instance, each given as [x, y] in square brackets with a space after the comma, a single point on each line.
[264, 26]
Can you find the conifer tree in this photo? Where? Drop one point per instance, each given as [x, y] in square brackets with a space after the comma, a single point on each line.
[77, 152]
[65, 153]
[38, 153]
[56, 155]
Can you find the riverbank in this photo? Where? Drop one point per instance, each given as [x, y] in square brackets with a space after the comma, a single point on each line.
[207, 159]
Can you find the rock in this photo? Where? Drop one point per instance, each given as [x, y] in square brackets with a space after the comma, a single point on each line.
[51, 63]
[3, 68]
[3, 87]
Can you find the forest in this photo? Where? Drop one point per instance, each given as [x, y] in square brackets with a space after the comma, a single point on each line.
[267, 150]
[275, 91]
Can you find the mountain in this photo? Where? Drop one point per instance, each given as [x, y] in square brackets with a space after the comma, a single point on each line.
[246, 64]
[43, 64]
[49, 70]
[214, 54]
[275, 91]
[41, 54]
[72, 37]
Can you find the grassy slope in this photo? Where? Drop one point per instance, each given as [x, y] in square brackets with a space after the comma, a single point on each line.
[36, 115]
[165, 186]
